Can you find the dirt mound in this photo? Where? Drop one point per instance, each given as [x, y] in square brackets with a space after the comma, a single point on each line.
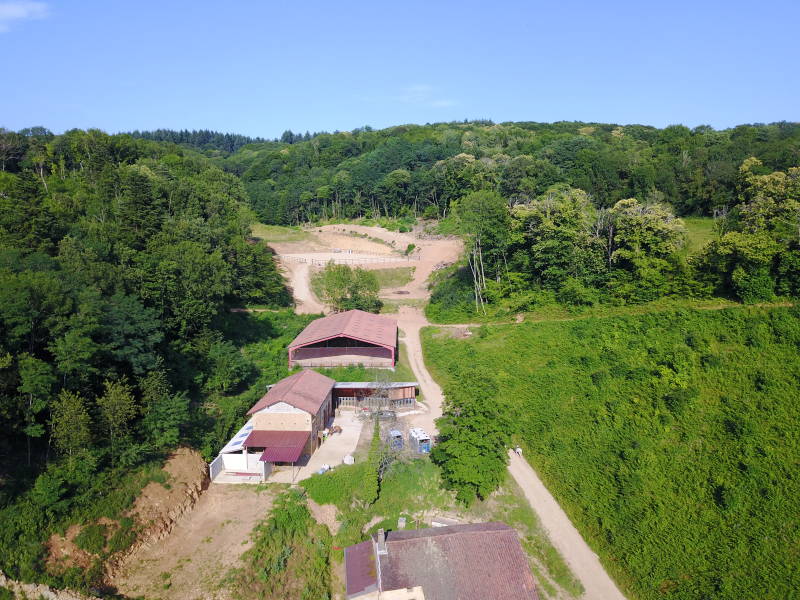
[160, 505]
[154, 512]
[63, 553]
[325, 514]
[187, 476]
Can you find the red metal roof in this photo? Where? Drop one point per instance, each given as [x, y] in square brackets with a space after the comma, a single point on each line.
[305, 390]
[279, 446]
[458, 562]
[356, 324]
[361, 574]
[282, 455]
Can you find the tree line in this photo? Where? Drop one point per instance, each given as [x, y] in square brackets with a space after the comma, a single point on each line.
[421, 170]
[118, 258]
[560, 247]
[199, 139]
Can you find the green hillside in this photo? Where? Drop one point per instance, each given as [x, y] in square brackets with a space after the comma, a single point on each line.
[671, 439]
[421, 169]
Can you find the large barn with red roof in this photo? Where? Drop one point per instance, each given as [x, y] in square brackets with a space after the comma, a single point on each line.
[348, 338]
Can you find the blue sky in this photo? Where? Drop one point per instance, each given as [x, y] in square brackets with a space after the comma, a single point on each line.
[260, 67]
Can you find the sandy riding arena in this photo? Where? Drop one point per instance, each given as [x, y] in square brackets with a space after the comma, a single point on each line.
[368, 248]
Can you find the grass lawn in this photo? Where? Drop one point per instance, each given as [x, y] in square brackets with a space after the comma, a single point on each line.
[277, 233]
[392, 305]
[389, 278]
[699, 231]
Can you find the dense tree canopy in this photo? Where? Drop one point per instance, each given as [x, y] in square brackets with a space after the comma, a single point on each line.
[414, 169]
[118, 257]
[202, 139]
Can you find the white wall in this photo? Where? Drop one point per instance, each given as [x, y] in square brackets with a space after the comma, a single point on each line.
[235, 462]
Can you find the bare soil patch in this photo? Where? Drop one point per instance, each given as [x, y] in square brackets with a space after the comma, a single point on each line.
[63, 553]
[154, 508]
[325, 514]
[192, 561]
[428, 253]
[186, 470]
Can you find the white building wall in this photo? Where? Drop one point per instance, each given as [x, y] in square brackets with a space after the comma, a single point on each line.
[235, 462]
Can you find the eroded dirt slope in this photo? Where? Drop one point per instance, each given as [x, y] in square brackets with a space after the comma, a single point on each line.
[192, 561]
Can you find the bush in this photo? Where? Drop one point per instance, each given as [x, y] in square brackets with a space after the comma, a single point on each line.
[574, 293]
[92, 538]
[123, 537]
[338, 486]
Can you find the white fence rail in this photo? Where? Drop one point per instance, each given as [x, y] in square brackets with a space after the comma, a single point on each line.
[321, 262]
[216, 467]
[374, 402]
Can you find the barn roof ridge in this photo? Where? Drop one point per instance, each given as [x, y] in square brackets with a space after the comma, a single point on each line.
[305, 390]
[357, 324]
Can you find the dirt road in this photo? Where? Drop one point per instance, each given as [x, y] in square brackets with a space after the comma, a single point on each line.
[299, 275]
[583, 562]
[411, 320]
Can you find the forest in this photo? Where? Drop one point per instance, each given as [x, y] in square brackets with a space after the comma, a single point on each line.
[119, 258]
[421, 169]
[561, 249]
[574, 214]
[670, 439]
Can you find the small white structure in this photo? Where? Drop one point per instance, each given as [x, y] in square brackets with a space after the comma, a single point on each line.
[419, 440]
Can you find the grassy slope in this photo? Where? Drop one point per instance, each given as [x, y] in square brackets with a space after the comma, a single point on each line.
[699, 231]
[671, 439]
[413, 488]
[277, 233]
[397, 277]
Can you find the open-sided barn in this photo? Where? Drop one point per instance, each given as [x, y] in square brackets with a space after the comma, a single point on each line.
[348, 338]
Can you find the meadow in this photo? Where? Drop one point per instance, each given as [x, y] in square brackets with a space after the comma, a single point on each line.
[671, 439]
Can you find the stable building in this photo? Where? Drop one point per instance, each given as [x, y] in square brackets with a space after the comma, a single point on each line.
[348, 338]
[458, 562]
[392, 395]
[285, 425]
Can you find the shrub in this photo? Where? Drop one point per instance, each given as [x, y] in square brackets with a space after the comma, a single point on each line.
[92, 538]
[574, 293]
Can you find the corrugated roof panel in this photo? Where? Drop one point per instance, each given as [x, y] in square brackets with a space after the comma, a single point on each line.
[305, 390]
[361, 325]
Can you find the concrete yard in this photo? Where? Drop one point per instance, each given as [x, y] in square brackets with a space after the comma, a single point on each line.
[331, 452]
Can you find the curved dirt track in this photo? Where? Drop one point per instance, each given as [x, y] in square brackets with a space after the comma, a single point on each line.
[411, 320]
[299, 275]
[371, 247]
